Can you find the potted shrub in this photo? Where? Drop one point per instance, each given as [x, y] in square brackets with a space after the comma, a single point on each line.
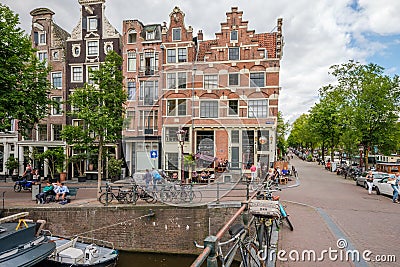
[114, 168]
[12, 164]
[54, 158]
[78, 160]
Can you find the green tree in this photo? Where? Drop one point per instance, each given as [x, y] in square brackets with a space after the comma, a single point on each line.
[54, 158]
[101, 107]
[24, 87]
[282, 130]
[372, 103]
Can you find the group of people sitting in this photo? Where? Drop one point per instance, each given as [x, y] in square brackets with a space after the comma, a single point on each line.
[58, 189]
[203, 177]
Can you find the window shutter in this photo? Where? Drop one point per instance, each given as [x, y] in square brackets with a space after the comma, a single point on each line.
[36, 37]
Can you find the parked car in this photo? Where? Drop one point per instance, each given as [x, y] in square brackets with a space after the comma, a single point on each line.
[377, 176]
[383, 187]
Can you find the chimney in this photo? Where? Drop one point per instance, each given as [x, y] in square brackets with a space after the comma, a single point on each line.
[200, 35]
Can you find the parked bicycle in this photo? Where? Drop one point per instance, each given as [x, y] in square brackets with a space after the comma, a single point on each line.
[120, 193]
[240, 240]
[179, 193]
[142, 193]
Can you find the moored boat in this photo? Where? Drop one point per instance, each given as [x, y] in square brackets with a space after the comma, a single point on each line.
[21, 243]
[80, 251]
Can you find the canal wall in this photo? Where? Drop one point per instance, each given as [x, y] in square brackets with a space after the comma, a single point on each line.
[149, 228]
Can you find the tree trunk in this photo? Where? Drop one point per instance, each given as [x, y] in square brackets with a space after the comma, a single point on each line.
[100, 167]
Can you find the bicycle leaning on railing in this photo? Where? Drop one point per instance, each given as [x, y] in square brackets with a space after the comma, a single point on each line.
[240, 240]
[122, 193]
[179, 193]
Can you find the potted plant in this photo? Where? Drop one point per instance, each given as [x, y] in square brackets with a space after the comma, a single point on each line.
[78, 161]
[114, 168]
[12, 164]
[54, 158]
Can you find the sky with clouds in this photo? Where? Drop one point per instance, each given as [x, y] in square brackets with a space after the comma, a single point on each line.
[317, 33]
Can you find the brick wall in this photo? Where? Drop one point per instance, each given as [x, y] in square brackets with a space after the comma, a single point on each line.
[170, 230]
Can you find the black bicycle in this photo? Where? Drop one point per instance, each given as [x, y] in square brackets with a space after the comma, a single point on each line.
[122, 194]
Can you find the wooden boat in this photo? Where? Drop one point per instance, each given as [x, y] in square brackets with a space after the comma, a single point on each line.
[20, 245]
[80, 251]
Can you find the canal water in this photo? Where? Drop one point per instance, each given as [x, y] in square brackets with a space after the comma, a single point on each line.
[133, 259]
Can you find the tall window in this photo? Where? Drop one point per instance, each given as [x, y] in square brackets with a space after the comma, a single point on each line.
[170, 134]
[92, 22]
[148, 92]
[148, 121]
[233, 79]
[233, 107]
[171, 56]
[77, 74]
[130, 120]
[132, 37]
[181, 79]
[257, 79]
[42, 132]
[92, 48]
[172, 160]
[150, 35]
[258, 108]
[56, 132]
[176, 107]
[234, 53]
[131, 90]
[176, 34]
[131, 61]
[56, 80]
[182, 55]
[89, 75]
[57, 105]
[42, 56]
[210, 81]
[39, 38]
[149, 62]
[171, 80]
[234, 35]
[209, 109]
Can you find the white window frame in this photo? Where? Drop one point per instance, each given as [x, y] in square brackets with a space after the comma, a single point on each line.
[72, 73]
[131, 91]
[131, 32]
[252, 84]
[131, 58]
[150, 35]
[176, 112]
[40, 34]
[253, 113]
[52, 79]
[209, 85]
[60, 108]
[174, 56]
[43, 59]
[237, 36]
[229, 53]
[229, 109]
[89, 19]
[89, 67]
[174, 31]
[238, 79]
[96, 47]
[76, 50]
[52, 132]
[202, 107]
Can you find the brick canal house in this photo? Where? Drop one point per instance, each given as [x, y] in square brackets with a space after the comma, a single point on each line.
[142, 71]
[50, 41]
[87, 47]
[224, 94]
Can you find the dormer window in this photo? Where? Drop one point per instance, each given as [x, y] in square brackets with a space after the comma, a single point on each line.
[150, 35]
[234, 36]
[176, 34]
[92, 22]
[132, 37]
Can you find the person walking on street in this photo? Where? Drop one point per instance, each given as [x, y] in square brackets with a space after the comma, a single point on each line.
[147, 178]
[253, 170]
[370, 181]
[395, 182]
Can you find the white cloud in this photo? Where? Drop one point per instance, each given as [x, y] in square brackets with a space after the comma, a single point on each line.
[317, 33]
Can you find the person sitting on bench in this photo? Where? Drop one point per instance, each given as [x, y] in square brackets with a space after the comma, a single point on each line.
[47, 190]
[62, 191]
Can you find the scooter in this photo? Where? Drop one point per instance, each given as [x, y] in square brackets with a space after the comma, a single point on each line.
[23, 184]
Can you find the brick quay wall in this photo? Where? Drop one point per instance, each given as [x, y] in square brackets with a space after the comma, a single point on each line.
[170, 230]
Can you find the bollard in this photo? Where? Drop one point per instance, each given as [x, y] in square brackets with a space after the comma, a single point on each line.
[211, 242]
[217, 193]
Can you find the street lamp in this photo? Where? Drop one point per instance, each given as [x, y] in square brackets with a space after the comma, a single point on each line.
[181, 138]
[361, 149]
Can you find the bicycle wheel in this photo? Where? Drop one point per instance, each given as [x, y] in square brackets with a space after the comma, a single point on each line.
[165, 196]
[261, 236]
[106, 198]
[148, 197]
[17, 188]
[252, 258]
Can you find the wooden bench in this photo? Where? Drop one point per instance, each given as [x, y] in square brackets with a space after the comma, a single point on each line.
[72, 192]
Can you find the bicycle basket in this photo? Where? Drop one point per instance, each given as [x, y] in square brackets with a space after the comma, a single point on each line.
[264, 208]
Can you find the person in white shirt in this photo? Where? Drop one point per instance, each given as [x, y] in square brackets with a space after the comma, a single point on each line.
[62, 190]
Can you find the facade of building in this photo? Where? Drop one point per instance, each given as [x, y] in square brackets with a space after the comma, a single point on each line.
[86, 49]
[224, 94]
[142, 56]
[49, 40]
